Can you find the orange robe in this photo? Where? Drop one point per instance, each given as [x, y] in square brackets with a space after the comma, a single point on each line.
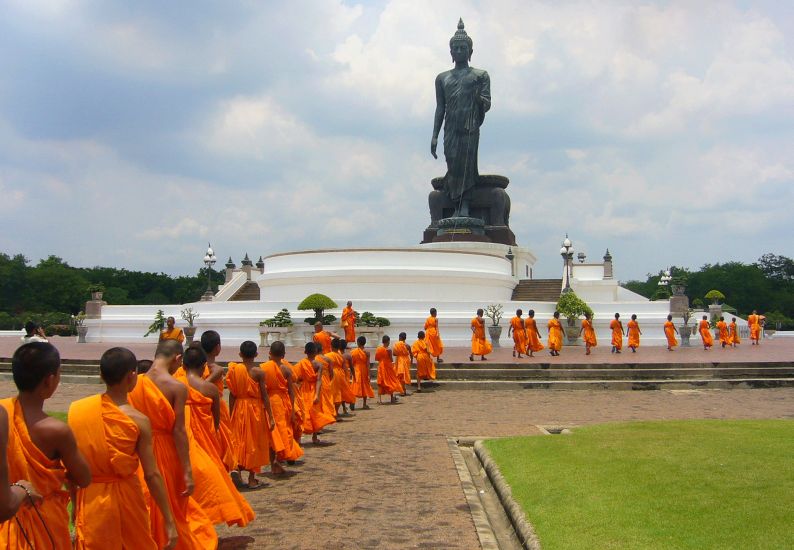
[634, 333]
[281, 404]
[174, 334]
[388, 383]
[479, 344]
[327, 389]
[705, 333]
[342, 391]
[403, 360]
[215, 492]
[425, 366]
[734, 334]
[669, 332]
[589, 333]
[519, 334]
[361, 385]
[754, 322]
[113, 507]
[324, 339]
[725, 337]
[617, 333]
[315, 417]
[555, 334]
[533, 340]
[26, 461]
[249, 419]
[192, 524]
[434, 344]
[300, 410]
[348, 320]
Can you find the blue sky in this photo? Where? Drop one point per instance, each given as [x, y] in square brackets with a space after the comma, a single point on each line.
[133, 133]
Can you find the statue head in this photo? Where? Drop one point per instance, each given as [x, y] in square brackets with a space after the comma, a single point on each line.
[460, 45]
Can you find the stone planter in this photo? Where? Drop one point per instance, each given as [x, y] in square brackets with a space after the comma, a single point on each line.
[572, 328]
[372, 334]
[685, 332]
[96, 296]
[268, 335]
[81, 332]
[495, 331]
[190, 333]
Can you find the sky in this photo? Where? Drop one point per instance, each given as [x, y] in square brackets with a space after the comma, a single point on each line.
[134, 133]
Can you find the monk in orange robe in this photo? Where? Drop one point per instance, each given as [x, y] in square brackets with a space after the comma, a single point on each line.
[162, 399]
[556, 334]
[42, 450]
[634, 333]
[343, 392]
[348, 322]
[425, 367]
[116, 440]
[327, 387]
[170, 332]
[734, 330]
[705, 333]
[479, 345]
[215, 492]
[350, 372]
[434, 344]
[616, 325]
[670, 331]
[361, 386]
[388, 383]
[252, 415]
[308, 373]
[323, 337]
[211, 344]
[519, 334]
[587, 329]
[725, 337]
[533, 334]
[403, 360]
[280, 390]
[12, 495]
[754, 323]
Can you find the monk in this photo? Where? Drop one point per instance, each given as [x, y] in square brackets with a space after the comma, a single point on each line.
[735, 340]
[308, 374]
[42, 450]
[280, 391]
[403, 359]
[170, 332]
[434, 344]
[634, 333]
[556, 334]
[616, 325]
[754, 323]
[519, 333]
[116, 440]
[388, 383]
[587, 329]
[143, 366]
[162, 399]
[479, 345]
[348, 322]
[425, 367]
[725, 337]
[215, 492]
[350, 372]
[323, 337]
[361, 360]
[252, 415]
[705, 333]
[533, 334]
[343, 393]
[213, 373]
[327, 386]
[670, 331]
[15, 495]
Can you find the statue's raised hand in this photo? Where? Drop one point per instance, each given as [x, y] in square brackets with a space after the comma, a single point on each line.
[433, 146]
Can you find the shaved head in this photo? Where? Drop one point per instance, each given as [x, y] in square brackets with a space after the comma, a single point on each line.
[168, 349]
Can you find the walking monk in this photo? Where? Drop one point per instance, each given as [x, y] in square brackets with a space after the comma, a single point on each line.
[211, 344]
[617, 333]
[215, 492]
[634, 333]
[519, 334]
[425, 367]
[404, 358]
[162, 399]
[252, 417]
[388, 383]
[327, 389]
[348, 322]
[556, 334]
[725, 337]
[361, 385]
[705, 333]
[670, 331]
[754, 322]
[479, 345]
[343, 393]
[116, 440]
[434, 344]
[323, 337]
[735, 340]
[587, 329]
[42, 450]
[533, 334]
[12, 495]
[308, 374]
[278, 382]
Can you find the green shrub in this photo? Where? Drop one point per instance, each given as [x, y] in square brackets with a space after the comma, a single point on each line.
[326, 320]
[571, 306]
[96, 287]
[367, 319]
[318, 303]
[715, 296]
[158, 324]
[59, 330]
[281, 319]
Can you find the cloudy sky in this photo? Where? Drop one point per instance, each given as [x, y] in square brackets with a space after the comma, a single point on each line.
[131, 133]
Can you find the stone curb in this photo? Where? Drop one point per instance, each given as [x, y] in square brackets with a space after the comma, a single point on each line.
[524, 531]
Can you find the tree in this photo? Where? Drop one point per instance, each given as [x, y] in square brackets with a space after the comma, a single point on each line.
[775, 267]
[317, 303]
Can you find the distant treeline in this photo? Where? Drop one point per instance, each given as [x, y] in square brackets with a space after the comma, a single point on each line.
[766, 285]
[52, 291]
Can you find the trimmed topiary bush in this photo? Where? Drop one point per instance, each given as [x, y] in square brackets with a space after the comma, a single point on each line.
[572, 307]
[318, 303]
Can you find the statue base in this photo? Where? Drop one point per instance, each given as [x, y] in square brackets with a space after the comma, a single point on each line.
[461, 228]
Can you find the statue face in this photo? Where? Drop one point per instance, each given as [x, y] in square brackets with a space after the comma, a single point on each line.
[460, 51]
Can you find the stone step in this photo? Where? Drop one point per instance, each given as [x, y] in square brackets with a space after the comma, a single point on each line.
[537, 290]
[614, 374]
[705, 384]
[531, 364]
[248, 292]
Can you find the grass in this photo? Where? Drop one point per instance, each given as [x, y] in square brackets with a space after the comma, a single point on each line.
[683, 484]
[59, 415]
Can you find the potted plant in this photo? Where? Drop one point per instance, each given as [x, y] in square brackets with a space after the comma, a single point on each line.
[572, 307]
[494, 312]
[715, 296]
[96, 290]
[158, 324]
[318, 303]
[372, 325]
[281, 320]
[78, 322]
[685, 330]
[190, 331]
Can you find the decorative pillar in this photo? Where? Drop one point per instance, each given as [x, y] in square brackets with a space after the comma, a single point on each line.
[607, 265]
[229, 270]
[247, 264]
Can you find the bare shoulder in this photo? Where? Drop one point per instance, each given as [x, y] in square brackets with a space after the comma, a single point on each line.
[140, 419]
[257, 373]
[207, 389]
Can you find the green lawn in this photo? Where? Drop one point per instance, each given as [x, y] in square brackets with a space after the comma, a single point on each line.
[683, 484]
[59, 415]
